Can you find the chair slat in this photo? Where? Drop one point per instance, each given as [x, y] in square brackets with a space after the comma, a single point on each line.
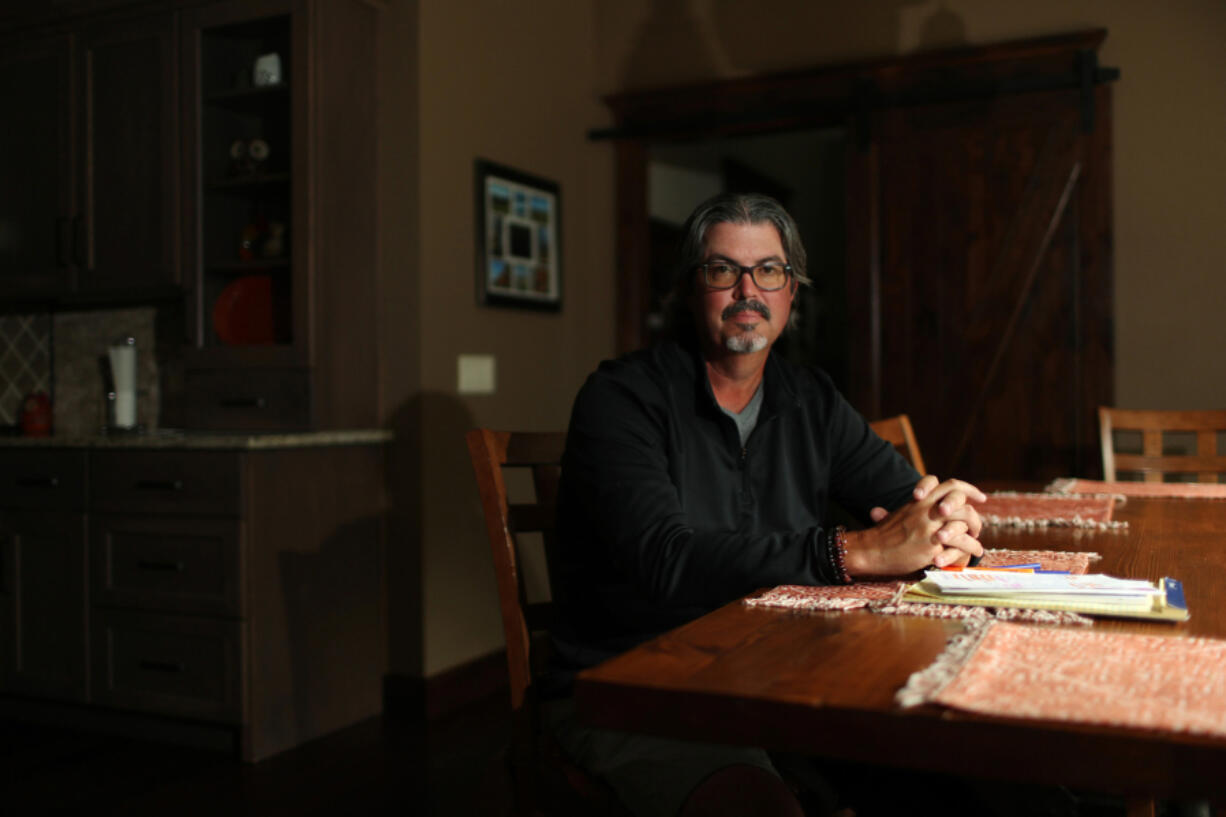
[532, 448]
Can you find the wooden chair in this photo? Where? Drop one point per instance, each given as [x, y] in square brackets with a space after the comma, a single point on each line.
[544, 781]
[1154, 461]
[897, 431]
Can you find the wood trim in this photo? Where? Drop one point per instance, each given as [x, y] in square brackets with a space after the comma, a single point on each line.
[633, 246]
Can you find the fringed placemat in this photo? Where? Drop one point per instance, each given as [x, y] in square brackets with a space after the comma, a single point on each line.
[883, 597]
[1076, 562]
[1171, 490]
[1032, 510]
[827, 597]
[1079, 676]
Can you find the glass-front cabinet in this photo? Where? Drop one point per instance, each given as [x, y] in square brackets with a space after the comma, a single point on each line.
[245, 134]
[279, 121]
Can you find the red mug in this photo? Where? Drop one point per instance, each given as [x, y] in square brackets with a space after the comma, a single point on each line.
[36, 415]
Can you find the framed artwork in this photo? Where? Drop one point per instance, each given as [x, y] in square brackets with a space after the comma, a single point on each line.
[519, 238]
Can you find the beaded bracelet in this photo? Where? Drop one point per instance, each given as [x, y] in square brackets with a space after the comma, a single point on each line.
[837, 551]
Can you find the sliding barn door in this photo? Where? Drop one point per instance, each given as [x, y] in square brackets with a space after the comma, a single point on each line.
[980, 279]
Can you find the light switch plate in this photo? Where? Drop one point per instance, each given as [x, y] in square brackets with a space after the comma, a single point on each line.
[475, 374]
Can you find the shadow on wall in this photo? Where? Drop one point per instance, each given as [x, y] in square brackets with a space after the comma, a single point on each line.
[433, 499]
[681, 42]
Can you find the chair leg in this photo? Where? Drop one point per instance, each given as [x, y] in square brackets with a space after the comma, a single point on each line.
[1140, 807]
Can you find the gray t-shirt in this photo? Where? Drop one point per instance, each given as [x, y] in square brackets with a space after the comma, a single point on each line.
[748, 418]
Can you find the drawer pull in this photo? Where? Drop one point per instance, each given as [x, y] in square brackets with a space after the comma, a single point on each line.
[160, 484]
[161, 666]
[244, 402]
[38, 482]
[170, 567]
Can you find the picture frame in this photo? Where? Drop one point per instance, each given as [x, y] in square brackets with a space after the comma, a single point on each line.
[518, 238]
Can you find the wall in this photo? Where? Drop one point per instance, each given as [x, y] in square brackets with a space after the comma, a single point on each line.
[513, 83]
[1170, 112]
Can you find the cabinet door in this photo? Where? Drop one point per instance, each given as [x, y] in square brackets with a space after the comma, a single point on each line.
[247, 228]
[43, 604]
[36, 168]
[130, 192]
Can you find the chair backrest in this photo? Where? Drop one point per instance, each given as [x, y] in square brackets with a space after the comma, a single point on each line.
[1155, 459]
[897, 432]
[524, 623]
[541, 453]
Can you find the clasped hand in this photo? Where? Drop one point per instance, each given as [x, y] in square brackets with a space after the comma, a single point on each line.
[939, 526]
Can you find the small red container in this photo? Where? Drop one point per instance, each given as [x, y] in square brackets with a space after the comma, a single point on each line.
[36, 415]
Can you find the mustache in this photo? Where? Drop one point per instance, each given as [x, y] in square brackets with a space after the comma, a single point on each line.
[746, 306]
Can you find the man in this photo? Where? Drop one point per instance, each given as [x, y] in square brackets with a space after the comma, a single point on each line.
[702, 469]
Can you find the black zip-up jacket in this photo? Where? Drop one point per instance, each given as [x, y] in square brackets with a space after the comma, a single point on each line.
[663, 515]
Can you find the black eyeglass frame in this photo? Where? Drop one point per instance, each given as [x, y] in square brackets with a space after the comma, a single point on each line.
[787, 268]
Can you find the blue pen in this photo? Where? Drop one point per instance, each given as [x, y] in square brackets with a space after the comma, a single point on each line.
[1031, 566]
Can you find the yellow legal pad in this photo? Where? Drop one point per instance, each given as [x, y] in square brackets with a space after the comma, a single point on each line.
[1165, 604]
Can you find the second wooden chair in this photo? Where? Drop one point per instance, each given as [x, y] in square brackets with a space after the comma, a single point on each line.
[1157, 458]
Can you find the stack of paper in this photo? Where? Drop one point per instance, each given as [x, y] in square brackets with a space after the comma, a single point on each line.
[1092, 593]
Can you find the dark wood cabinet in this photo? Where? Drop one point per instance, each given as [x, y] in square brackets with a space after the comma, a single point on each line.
[89, 166]
[153, 163]
[129, 196]
[240, 588]
[37, 167]
[280, 239]
[44, 590]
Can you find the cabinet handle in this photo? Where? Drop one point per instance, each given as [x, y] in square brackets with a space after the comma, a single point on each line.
[244, 402]
[159, 485]
[161, 666]
[171, 567]
[38, 482]
[79, 241]
[63, 238]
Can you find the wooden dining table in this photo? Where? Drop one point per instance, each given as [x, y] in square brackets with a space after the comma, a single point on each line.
[824, 683]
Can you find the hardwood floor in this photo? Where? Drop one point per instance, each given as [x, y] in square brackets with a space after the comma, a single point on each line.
[453, 767]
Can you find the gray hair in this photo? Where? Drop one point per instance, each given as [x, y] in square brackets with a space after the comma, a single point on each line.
[727, 208]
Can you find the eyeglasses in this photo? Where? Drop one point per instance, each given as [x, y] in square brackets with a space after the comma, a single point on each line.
[726, 275]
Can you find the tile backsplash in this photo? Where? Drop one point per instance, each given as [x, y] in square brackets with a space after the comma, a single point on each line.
[80, 339]
[25, 361]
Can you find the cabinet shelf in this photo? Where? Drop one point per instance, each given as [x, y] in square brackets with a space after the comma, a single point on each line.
[254, 265]
[249, 182]
[248, 100]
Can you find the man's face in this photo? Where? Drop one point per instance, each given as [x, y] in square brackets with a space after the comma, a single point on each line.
[742, 319]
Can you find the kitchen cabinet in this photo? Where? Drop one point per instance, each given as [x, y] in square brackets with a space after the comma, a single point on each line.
[44, 597]
[280, 238]
[128, 223]
[90, 208]
[37, 167]
[216, 588]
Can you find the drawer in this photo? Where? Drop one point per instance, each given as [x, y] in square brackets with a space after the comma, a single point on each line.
[167, 563]
[42, 479]
[248, 400]
[190, 482]
[166, 664]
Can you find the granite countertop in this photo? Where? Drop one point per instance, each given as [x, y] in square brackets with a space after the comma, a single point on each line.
[216, 440]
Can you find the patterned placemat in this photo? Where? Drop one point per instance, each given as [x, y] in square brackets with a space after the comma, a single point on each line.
[1172, 490]
[883, 597]
[1033, 510]
[1079, 676]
